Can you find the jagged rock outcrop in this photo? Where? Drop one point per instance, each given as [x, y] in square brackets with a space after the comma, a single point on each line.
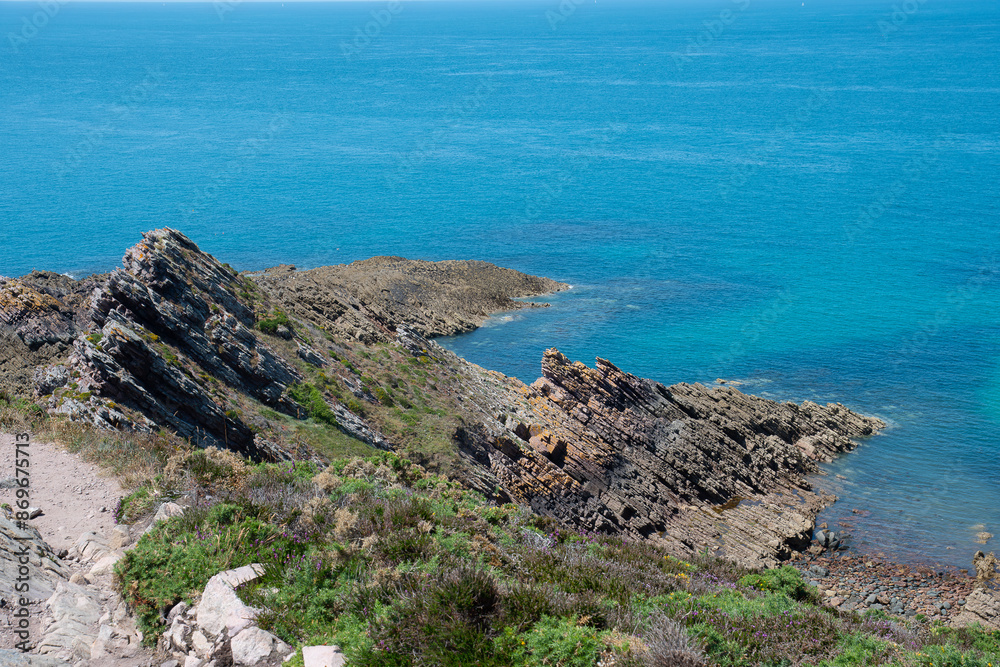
[168, 341]
[691, 466]
[41, 315]
[170, 293]
[367, 300]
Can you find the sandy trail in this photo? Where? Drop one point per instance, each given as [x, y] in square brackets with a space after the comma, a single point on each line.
[75, 496]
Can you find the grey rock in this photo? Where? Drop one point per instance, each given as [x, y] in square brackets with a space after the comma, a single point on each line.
[12, 658]
[220, 608]
[311, 356]
[177, 610]
[76, 612]
[819, 570]
[105, 565]
[120, 537]
[167, 511]
[44, 568]
[871, 599]
[253, 645]
[49, 379]
[323, 656]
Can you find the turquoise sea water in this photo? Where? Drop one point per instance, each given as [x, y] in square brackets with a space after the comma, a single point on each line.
[800, 197]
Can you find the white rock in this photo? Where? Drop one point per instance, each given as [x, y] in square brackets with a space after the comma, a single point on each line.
[322, 656]
[106, 565]
[177, 610]
[220, 608]
[91, 546]
[200, 643]
[253, 645]
[166, 511]
[193, 661]
[177, 635]
[120, 537]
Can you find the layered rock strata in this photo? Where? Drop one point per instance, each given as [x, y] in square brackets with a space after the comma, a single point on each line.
[690, 466]
[172, 339]
[366, 300]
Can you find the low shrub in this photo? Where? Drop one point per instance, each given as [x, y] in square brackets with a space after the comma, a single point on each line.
[311, 398]
[785, 580]
[175, 560]
[270, 325]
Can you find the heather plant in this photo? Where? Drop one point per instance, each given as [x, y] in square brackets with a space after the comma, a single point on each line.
[399, 566]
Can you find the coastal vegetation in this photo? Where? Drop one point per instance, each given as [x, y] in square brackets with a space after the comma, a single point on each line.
[415, 509]
[401, 566]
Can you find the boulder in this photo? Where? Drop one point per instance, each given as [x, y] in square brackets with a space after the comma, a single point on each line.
[253, 645]
[120, 537]
[166, 511]
[220, 609]
[11, 658]
[105, 565]
[322, 656]
[982, 606]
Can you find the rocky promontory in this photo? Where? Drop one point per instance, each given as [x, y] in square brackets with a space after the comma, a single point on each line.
[279, 364]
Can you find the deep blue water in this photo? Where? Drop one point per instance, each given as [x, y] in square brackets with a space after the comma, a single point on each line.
[796, 196]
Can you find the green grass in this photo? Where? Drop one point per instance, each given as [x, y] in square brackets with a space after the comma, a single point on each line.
[311, 398]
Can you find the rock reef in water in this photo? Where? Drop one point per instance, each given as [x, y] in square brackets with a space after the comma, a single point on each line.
[366, 300]
[172, 340]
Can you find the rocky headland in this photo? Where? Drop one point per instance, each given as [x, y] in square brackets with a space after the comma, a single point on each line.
[316, 365]
[173, 339]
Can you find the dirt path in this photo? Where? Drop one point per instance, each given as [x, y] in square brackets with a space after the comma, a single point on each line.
[75, 497]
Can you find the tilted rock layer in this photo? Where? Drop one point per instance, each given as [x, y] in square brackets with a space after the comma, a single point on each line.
[366, 300]
[690, 466]
[169, 340]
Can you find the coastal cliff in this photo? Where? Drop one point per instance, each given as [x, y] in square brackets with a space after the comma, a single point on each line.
[264, 364]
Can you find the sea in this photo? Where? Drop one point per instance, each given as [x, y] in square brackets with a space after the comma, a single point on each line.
[800, 197]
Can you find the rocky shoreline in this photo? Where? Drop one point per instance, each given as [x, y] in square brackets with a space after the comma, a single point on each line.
[255, 363]
[859, 582]
[175, 339]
